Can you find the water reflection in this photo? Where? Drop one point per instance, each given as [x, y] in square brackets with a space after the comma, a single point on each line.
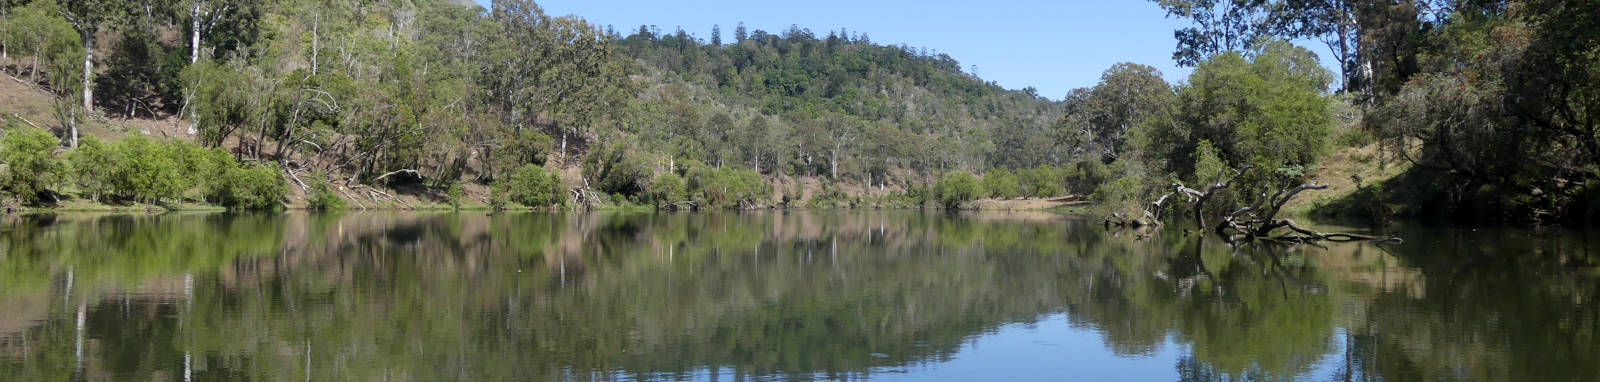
[773, 295]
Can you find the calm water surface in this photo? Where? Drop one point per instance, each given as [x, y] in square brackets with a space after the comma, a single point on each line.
[777, 296]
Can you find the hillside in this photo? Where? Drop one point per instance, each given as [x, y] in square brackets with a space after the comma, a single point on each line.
[464, 96]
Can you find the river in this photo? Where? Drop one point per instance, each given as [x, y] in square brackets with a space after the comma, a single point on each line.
[882, 295]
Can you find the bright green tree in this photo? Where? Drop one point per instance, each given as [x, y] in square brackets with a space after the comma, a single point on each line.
[31, 163]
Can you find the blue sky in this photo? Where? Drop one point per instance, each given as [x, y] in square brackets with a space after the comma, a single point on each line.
[1052, 45]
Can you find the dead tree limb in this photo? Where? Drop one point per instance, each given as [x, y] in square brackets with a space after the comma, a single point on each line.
[410, 171]
[1256, 221]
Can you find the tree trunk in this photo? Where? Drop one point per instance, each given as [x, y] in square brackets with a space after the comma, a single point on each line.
[72, 128]
[88, 73]
[316, 23]
[194, 33]
[833, 164]
[33, 71]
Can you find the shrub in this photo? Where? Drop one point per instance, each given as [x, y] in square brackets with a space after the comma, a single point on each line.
[321, 196]
[531, 186]
[956, 187]
[1086, 176]
[31, 164]
[619, 172]
[147, 170]
[202, 169]
[1002, 184]
[453, 196]
[92, 165]
[1042, 181]
[254, 186]
[728, 187]
[667, 188]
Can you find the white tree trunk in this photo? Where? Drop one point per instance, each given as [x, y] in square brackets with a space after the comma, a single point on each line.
[833, 164]
[194, 33]
[88, 72]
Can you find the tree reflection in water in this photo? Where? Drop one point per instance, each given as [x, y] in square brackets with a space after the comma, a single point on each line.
[795, 295]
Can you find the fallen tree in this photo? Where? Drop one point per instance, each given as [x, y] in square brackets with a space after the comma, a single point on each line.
[1256, 221]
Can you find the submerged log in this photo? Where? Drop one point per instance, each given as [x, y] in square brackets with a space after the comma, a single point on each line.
[1256, 221]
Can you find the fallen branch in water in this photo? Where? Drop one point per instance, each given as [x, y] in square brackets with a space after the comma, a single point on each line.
[1256, 221]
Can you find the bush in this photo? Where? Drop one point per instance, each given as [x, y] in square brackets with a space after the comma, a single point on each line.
[956, 187]
[202, 169]
[1041, 182]
[727, 187]
[1086, 176]
[453, 195]
[147, 170]
[254, 186]
[667, 188]
[617, 171]
[531, 186]
[92, 165]
[31, 164]
[1002, 184]
[321, 196]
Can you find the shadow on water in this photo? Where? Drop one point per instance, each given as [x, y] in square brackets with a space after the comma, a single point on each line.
[787, 295]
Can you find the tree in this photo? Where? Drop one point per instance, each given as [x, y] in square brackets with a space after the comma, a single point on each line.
[956, 187]
[92, 166]
[87, 17]
[31, 163]
[1126, 96]
[553, 73]
[255, 186]
[1220, 26]
[739, 33]
[842, 133]
[531, 186]
[220, 100]
[37, 30]
[1268, 107]
[716, 35]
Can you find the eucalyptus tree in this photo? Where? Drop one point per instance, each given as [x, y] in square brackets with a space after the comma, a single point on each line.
[1127, 95]
[554, 73]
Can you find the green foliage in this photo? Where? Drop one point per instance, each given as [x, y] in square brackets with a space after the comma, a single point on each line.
[727, 187]
[618, 169]
[531, 186]
[93, 164]
[1267, 108]
[668, 188]
[1002, 184]
[320, 195]
[1085, 176]
[1208, 165]
[1127, 95]
[31, 165]
[221, 100]
[1041, 181]
[148, 171]
[956, 187]
[254, 186]
[453, 195]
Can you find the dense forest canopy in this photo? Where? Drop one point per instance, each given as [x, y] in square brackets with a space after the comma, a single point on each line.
[1494, 99]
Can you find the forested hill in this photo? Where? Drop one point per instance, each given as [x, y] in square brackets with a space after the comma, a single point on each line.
[1467, 108]
[434, 93]
[840, 105]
